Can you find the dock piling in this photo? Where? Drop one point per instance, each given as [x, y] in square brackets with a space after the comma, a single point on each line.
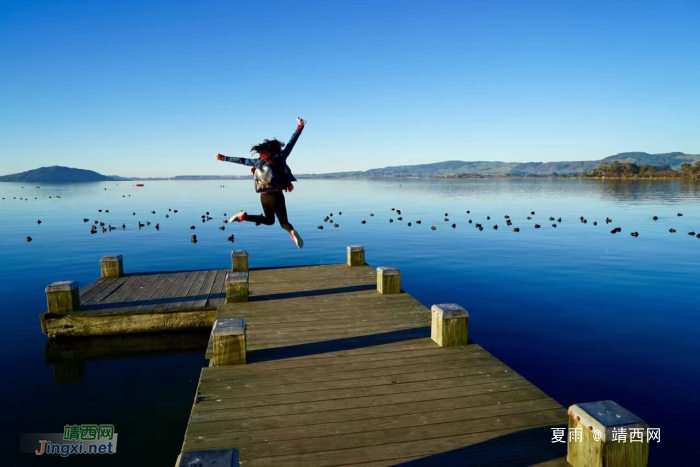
[209, 458]
[236, 287]
[63, 298]
[239, 261]
[450, 325]
[605, 434]
[229, 342]
[356, 255]
[388, 280]
[112, 266]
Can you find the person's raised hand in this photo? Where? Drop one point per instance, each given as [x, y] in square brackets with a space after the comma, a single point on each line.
[220, 157]
[300, 122]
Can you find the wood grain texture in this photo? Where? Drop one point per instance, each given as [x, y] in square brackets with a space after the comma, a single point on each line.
[339, 374]
[336, 373]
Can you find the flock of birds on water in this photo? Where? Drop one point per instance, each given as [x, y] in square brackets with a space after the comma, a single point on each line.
[97, 225]
[105, 227]
[508, 221]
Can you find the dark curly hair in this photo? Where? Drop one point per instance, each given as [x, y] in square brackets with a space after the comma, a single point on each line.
[273, 147]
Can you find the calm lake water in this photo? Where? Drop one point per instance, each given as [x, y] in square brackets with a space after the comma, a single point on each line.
[583, 314]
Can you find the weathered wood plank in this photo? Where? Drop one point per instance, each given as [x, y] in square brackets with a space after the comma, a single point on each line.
[320, 374]
[213, 298]
[221, 290]
[317, 427]
[128, 288]
[107, 292]
[93, 324]
[183, 290]
[250, 411]
[143, 289]
[155, 287]
[97, 294]
[357, 391]
[206, 289]
[390, 381]
[347, 342]
[517, 454]
[273, 424]
[85, 290]
[371, 445]
[171, 294]
[94, 288]
[316, 310]
[351, 362]
[266, 312]
[310, 337]
[168, 281]
[190, 298]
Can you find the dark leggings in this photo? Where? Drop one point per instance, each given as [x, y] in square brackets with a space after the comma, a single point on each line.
[273, 205]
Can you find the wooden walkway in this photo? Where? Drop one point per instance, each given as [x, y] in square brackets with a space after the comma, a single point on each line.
[188, 290]
[339, 374]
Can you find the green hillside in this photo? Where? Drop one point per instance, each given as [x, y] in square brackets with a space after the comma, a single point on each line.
[513, 169]
[55, 174]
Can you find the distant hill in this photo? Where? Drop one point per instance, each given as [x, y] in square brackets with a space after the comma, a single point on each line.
[674, 160]
[55, 174]
[512, 169]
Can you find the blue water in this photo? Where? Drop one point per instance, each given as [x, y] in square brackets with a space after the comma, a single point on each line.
[583, 314]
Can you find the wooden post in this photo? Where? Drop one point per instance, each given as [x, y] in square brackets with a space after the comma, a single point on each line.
[211, 458]
[112, 266]
[356, 255]
[595, 439]
[236, 287]
[63, 298]
[450, 325]
[229, 342]
[239, 261]
[388, 280]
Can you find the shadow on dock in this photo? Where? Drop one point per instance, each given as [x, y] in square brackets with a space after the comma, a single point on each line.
[153, 302]
[312, 293]
[68, 356]
[349, 343]
[527, 447]
[222, 296]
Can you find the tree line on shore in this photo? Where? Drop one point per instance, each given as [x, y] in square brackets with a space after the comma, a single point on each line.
[617, 169]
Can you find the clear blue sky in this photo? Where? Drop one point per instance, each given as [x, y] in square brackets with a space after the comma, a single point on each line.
[158, 87]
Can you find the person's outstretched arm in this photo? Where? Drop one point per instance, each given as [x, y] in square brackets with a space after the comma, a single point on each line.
[239, 160]
[293, 140]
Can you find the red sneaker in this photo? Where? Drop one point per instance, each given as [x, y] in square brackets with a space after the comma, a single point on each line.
[240, 217]
[297, 239]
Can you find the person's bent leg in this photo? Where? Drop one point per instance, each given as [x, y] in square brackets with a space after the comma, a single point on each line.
[268, 204]
[281, 213]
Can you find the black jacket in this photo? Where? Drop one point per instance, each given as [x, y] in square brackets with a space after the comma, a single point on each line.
[273, 175]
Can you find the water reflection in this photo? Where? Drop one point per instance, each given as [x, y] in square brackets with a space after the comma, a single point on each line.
[68, 356]
[628, 191]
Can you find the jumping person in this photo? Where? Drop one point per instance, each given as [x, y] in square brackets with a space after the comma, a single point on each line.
[272, 177]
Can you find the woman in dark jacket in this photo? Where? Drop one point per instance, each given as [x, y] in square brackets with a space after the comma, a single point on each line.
[272, 178]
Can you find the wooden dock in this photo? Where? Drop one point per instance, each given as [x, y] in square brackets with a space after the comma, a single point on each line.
[329, 365]
[339, 374]
[138, 303]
